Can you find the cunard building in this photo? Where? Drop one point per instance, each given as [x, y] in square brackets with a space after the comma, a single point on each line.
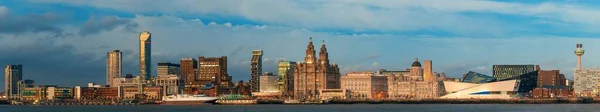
[315, 74]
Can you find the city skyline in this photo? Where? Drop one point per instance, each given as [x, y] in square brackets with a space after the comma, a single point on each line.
[73, 45]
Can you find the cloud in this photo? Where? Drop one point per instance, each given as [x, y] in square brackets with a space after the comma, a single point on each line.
[457, 17]
[35, 23]
[97, 24]
[3, 11]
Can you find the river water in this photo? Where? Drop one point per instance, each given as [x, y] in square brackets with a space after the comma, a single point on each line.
[316, 108]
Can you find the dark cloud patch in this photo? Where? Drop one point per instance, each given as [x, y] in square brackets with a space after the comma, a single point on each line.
[49, 63]
[35, 23]
[98, 24]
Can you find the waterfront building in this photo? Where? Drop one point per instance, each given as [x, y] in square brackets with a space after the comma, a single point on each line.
[96, 93]
[477, 78]
[492, 90]
[408, 89]
[166, 68]
[502, 72]
[213, 70]
[33, 93]
[551, 92]
[212, 73]
[334, 93]
[113, 66]
[147, 93]
[365, 85]
[59, 93]
[550, 78]
[172, 84]
[587, 82]
[188, 71]
[12, 75]
[286, 77]
[416, 72]
[411, 84]
[312, 75]
[268, 83]
[579, 52]
[145, 55]
[169, 78]
[255, 69]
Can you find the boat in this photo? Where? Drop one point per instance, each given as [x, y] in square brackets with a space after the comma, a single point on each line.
[185, 99]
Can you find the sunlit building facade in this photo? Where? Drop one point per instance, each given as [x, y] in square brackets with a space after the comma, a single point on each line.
[365, 85]
[314, 74]
[256, 70]
[113, 66]
[286, 77]
[12, 75]
[502, 72]
[268, 83]
[587, 82]
[145, 55]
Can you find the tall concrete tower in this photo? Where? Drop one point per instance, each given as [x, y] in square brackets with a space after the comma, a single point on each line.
[145, 55]
[256, 69]
[579, 52]
[113, 66]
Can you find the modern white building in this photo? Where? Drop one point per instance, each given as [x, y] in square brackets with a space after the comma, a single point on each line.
[493, 90]
[587, 82]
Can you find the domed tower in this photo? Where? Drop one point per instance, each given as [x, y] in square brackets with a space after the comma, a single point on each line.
[416, 71]
[579, 52]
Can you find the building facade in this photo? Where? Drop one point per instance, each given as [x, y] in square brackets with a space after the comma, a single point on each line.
[587, 82]
[365, 85]
[12, 75]
[188, 71]
[145, 55]
[113, 66]
[166, 68]
[427, 72]
[314, 74]
[255, 69]
[268, 82]
[477, 78]
[502, 72]
[286, 77]
[550, 78]
[172, 84]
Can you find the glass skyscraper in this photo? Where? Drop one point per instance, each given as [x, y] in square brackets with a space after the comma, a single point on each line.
[12, 75]
[145, 55]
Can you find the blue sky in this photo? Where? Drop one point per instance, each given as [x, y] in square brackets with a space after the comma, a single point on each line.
[65, 42]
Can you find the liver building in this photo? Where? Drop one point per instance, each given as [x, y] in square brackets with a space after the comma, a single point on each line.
[315, 74]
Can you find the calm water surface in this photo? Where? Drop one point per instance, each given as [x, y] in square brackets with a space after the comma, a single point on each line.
[317, 108]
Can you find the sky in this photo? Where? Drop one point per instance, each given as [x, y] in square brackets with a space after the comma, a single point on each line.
[64, 42]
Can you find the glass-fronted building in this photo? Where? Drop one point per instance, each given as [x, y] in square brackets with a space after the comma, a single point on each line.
[145, 54]
[502, 72]
[286, 76]
[474, 77]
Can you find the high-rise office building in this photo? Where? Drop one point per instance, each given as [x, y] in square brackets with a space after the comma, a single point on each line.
[12, 75]
[315, 74]
[501, 72]
[286, 77]
[145, 55]
[113, 66]
[427, 72]
[579, 52]
[256, 70]
[188, 67]
[213, 70]
[166, 68]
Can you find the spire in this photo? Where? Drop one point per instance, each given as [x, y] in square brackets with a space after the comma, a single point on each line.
[417, 59]
[310, 39]
[310, 52]
[323, 43]
[323, 54]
